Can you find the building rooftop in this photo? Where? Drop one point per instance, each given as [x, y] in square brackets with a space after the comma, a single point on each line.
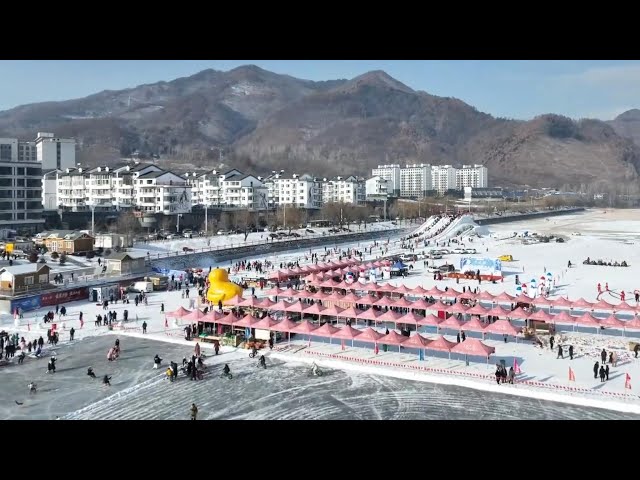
[123, 255]
[25, 268]
[65, 234]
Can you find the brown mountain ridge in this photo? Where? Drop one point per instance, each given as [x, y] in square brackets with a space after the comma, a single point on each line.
[263, 121]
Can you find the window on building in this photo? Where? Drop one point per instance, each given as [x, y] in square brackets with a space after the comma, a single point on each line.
[44, 278]
[28, 280]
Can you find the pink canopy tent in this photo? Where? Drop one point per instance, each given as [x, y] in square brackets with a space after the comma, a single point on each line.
[279, 275]
[319, 296]
[228, 319]
[266, 303]
[452, 323]
[195, 315]
[385, 302]
[251, 302]
[588, 320]
[485, 296]
[234, 301]
[473, 325]
[561, 302]
[369, 335]
[305, 269]
[603, 305]
[393, 338]
[313, 278]
[367, 300]
[332, 311]
[420, 305]
[541, 316]
[179, 313]
[285, 325]
[503, 327]
[474, 348]
[304, 294]
[369, 314]
[416, 341]
[347, 333]
[265, 323]
[273, 292]
[333, 297]
[477, 310]
[344, 286]
[289, 293]
[504, 297]
[296, 271]
[419, 291]
[409, 318]
[522, 298]
[623, 307]
[581, 304]
[457, 308]
[402, 289]
[633, 324]
[612, 322]
[564, 318]
[247, 321]
[466, 295]
[281, 306]
[388, 288]
[326, 330]
[402, 303]
[388, 316]
[543, 302]
[498, 312]
[296, 307]
[518, 313]
[211, 317]
[305, 327]
[434, 291]
[438, 307]
[351, 298]
[441, 344]
[315, 309]
[430, 319]
[351, 313]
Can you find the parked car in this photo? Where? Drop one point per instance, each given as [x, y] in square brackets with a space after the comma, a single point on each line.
[458, 251]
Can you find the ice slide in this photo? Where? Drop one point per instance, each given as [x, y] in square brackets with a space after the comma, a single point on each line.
[429, 222]
[457, 226]
[431, 232]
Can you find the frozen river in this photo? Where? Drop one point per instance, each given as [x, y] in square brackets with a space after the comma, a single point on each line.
[283, 391]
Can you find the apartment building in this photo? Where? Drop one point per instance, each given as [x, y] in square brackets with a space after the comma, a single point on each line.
[390, 173]
[20, 188]
[302, 191]
[162, 192]
[475, 176]
[416, 180]
[443, 178]
[231, 189]
[349, 190]
[375, 187]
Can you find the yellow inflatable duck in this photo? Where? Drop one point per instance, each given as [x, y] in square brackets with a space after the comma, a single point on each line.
[220, 288]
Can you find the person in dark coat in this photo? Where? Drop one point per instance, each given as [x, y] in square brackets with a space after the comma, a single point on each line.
[458, 337]
[144, 327]
[596, 367]
[40, 342]
[162, 308]
[71, 332]
[602, 373]
[603, 356]
[551, 341]
[636, 349]
[606, 372]
[571, 352]
[463, 336]
[560, 352]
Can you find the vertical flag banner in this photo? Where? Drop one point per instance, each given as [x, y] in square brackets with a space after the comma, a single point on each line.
[572, 376]
[627, 382]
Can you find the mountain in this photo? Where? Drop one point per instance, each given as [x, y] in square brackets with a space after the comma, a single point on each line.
[263, 121]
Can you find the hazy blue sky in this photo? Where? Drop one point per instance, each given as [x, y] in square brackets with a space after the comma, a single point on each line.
[515, 89]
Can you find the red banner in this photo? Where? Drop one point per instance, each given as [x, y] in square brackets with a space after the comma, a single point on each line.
[56, 298]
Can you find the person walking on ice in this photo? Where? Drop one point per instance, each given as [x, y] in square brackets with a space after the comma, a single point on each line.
[560, 352]
[194, 411]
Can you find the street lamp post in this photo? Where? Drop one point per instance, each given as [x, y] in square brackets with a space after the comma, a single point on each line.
[206, 218]
[92, 205]
[178, 224]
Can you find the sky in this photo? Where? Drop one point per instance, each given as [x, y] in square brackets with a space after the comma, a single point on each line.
[518, 89]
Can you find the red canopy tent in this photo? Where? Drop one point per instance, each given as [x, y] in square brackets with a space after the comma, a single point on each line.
[315, 309]
[266, 303]
[386, 288]
[603, 305]
[281, 306]
[485, 296]
[473, 325]
[367, 300]
[305, 269]
[633, 324]
[247, 321]
[430, 319]
[347, 332]
[369, 314]
[179, 313]
[285, 325]
[251, 302]
[233, 301]
[588, 320]
[402, 289]
[518, 313]
[498, 312]
[504, 297]
[451, 323]
[457, 308]
[195, 315]
[474, 348]
[503, 327]
[561, 302]
[543, 302]
[327, 330]
[289, 293]
[388, 316]
[305, 327]
[612, 322]
[351, 298]
[623, 307]
[402, 303]
[409, 318]
[420, 305]
[319, 296]
[351, 313]
[441, 344]
[540, 316]
[297, 307]
[416, 341]
[419, 291]
[581, 304]
[466, 295]
[332, 311]
[478, 310]
[228, 319]
[385, 302]
[304, 294]
[522, 298]
[564, 318]
[434, 291]
[265, 323]
[369, 335]
[438, 307]
[393, 338]
[211, 317]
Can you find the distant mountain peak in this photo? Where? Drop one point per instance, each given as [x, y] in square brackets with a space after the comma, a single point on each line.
[376, 78]
[629, 115]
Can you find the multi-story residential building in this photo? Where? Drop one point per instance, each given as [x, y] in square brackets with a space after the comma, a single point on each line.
[443, 178]
[376, 187]
[391, 173]
[20, 188]
[349, 190]
[53, 152]
[162, 192]
[231, 189]
[474, 176]
[50, 189]
[302, 191]
[415, 180]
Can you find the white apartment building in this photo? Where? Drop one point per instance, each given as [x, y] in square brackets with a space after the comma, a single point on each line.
[349, 190]
[53, 152]
[443, 178]
[50, 189]
[162, 192]
[376, 187]
[232, 189]
[475, 176]
[302, 191]
[20, 188]
[390, 173]
[415, 180]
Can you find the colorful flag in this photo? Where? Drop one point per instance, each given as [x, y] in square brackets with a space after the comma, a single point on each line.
[627, 382]
[572, 376]
[516, 367]
[342, 344]
[376, 348]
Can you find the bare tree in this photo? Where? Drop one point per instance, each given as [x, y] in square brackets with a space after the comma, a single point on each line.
[226, 220]
[127, 225]
[244, 221]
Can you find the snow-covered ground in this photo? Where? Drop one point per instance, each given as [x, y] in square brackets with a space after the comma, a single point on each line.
[611, 235]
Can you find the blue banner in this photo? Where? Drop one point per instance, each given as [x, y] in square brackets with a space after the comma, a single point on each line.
[26, 304]
[487, 266]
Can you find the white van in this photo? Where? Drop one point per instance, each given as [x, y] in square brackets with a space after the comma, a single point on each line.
[141, 287]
